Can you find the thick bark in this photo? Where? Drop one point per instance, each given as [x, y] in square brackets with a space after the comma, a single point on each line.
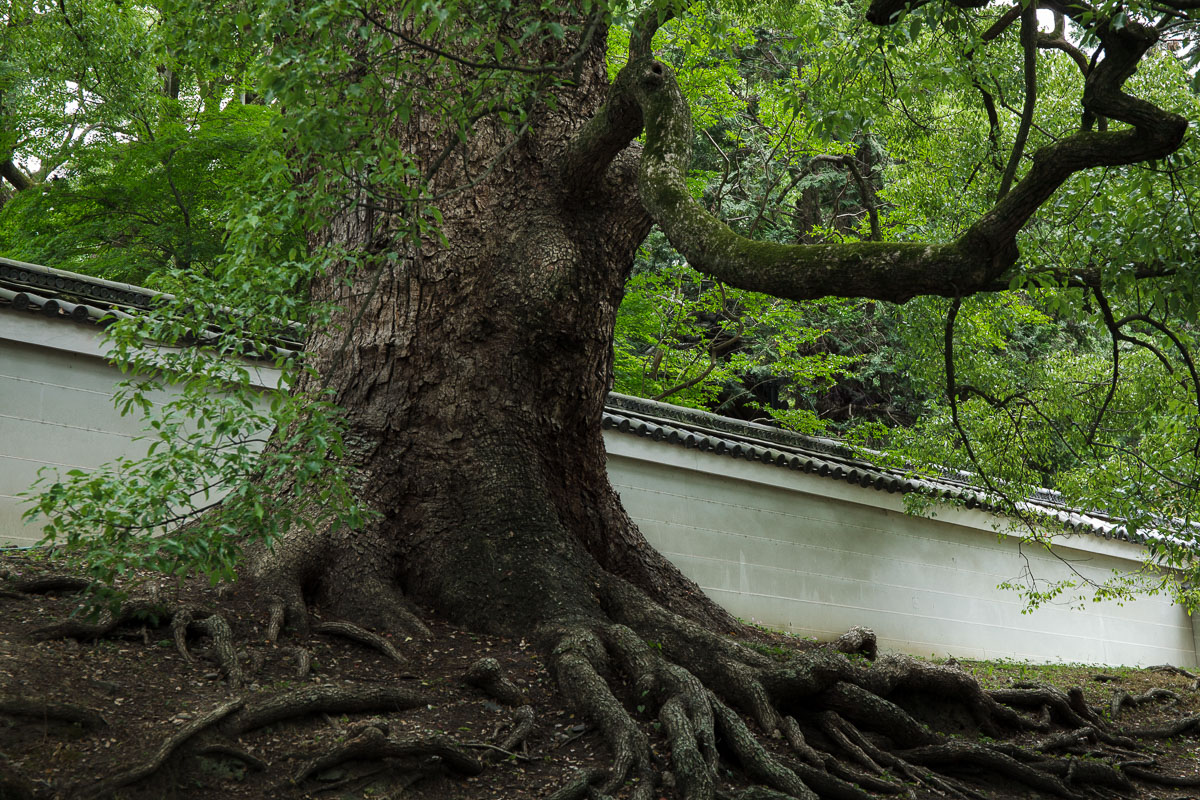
[474, 376]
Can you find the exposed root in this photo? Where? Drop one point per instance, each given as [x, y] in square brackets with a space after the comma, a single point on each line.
[753, 793]
[486, 675]
[1122, 698]
[362, 636]
[855, 727]
[144, 770]
[577, 662]
[858, 641]
[580, 785]
[1189, 724]
[373, 744]
[521, 728]
[1149, 775]
[179, 626]
[379, 604]
[60, 712]
[276, 615]
[836, 729]
[970, 754]
[219, 631]
[134, 611]
[863, 706]
[1039, 696]
[754, 758]
[800, 746]
[303, 660]
[327, 699]
[692, 773]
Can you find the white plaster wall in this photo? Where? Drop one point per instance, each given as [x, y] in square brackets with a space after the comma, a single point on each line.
[816, 556]
[56, 409]
[806, 554]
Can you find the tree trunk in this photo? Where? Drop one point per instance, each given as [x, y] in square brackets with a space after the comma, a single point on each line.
[473, 374]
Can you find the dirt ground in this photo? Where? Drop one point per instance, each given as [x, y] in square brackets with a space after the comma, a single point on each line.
[143, 692]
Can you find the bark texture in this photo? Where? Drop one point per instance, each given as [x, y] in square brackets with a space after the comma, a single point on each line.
[474, 376]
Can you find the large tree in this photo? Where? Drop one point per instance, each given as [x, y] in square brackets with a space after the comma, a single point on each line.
[483, 187]
[473, 368]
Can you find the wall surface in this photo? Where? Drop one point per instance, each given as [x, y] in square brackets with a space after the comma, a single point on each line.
[781, 547]
[56, 409]
[814, 556]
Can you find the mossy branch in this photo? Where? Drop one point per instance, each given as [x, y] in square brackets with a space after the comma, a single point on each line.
[979, 260]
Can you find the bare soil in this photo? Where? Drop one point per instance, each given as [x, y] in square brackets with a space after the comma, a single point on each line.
[146, 692]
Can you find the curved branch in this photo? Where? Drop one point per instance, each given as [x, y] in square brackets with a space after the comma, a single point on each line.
[894, 271]
[1029, 37]
[619, 120]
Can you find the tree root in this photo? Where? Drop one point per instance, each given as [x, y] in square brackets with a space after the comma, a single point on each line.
[61, 712]
[577, 662]
[1063, 710]
[858, 641]
[179, 626]
[133, 611]
[318, 699]
[849, 726]
[276, 615]
[373, 744]
[1122, 698]
[970, 754]
[486, 675]
[219, 631]
[142, 771]
[303, 660]
[1189, 724]
[521, 728]
[579, 787]
[1143, 774]
[362, 636]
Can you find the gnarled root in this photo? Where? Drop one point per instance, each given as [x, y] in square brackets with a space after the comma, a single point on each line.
[373, 744]
[521, 727]
[363, 636]
[133, 611]
[487, 676]
[327, 699]
[830, 724]
[1122, 698]
[141, 771]
[218, 629]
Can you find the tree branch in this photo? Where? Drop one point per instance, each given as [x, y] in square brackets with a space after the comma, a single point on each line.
[15, 175]
[619, 120]
[1029, 37]
[894, 271]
